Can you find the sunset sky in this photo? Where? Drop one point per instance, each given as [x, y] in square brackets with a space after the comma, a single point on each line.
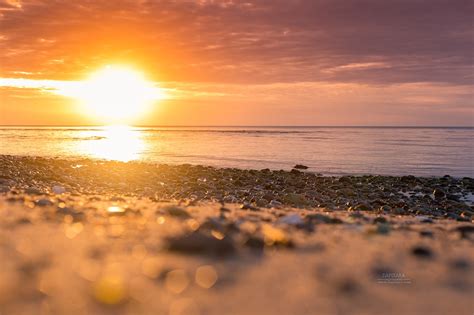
[252, 62]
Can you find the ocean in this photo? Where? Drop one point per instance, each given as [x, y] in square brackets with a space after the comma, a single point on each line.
[423, 151]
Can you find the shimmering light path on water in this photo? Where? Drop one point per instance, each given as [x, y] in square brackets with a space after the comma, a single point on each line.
[328, 150]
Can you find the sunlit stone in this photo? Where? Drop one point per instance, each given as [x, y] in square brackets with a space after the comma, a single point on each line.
[72, 230]
[176, 281]
[206, 276]
[115, 210]
[110, 290]
[218, 235]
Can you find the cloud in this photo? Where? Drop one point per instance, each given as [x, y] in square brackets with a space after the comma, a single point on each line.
[256, 41]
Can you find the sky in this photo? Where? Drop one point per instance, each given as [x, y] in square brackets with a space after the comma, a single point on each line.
[251, 62]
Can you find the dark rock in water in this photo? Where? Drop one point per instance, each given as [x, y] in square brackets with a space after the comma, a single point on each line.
[422, 252]
[439, 193]
[465, 230]
[300, 167]
[200, 243]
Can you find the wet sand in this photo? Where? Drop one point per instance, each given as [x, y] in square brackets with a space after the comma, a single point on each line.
[88, 237]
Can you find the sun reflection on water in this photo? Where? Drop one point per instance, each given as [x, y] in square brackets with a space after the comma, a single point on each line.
[120, 143]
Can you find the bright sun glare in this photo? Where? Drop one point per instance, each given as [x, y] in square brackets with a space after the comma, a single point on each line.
[116, 94]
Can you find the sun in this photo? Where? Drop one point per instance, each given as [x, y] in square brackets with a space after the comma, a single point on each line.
[116, 94]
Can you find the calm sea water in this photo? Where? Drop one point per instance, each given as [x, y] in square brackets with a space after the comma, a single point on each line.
[333, 150]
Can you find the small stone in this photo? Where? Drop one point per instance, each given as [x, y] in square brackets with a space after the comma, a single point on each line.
[116, 210]
[199, 243]
[383, 228]
[422, 252]
[321, 218]
[4, 189]
[248, 206]
[465, 230]
[380, 220]
[275, 237]
[44, 202]
[58, 189]
[293, 219]
[362, 207]
[110, 290]
[460, 264]
[176, 211]
[254, 242]
[296, 199]
[32, 191]
[275, 204]
[426, 233]
[439, 193]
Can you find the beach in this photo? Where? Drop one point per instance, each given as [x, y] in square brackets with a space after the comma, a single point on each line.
[83, 236]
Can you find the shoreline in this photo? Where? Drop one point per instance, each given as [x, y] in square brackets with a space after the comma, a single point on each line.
[92, 237]
[438, 196]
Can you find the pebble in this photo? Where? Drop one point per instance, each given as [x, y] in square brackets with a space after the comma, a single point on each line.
[293, 219]
[426, 233]
[199, 243]
[32, 191]
[176, 211]
[44, 202]
[422, 252]
[321, 218]
[465, 230]
[58, 189]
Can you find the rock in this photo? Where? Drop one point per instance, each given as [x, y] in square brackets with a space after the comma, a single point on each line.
[44, 202]
[426, 233]
[293, 219]
[176, 211]
[255, 243]
[274, 236]
[248, 206]
[275, 204]
[439, 193]
[199, 243]
[380, 220]
[460, 264]
[4, 189]
[321, 218]
[58, 189]
[422, 252]
[300, 167]
[465, 230]
[296, 199]
[32, 191]
[383, 228]
[361, 207]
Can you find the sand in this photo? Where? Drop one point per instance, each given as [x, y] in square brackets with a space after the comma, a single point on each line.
[68, 249]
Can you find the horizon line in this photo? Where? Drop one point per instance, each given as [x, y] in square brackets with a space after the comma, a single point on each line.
[251, 126]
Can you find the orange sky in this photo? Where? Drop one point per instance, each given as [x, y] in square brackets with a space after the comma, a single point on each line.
[291, 62]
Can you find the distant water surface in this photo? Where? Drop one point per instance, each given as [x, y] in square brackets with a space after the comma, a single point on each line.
[326, 150]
